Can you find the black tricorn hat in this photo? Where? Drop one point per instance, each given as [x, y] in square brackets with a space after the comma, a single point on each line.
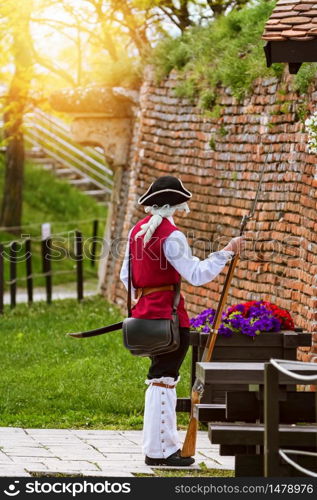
[165, 190]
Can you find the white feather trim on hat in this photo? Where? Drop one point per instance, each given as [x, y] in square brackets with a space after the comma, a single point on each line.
[158, 214]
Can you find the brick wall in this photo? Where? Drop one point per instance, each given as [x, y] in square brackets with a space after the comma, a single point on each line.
[219, 159]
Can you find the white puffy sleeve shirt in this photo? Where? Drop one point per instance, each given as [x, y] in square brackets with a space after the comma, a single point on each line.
[178, 253]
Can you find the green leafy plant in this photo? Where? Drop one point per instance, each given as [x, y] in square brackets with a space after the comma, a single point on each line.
[207, 99]
[305, 77]
[302, 112]
[228, 52]
[212, 143]
[223, 131]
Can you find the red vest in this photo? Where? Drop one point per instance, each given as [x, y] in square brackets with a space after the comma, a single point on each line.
[150, 268]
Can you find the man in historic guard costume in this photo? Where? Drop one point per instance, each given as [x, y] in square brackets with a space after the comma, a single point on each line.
[160, 254]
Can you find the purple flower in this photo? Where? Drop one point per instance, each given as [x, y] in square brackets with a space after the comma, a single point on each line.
[238, 319]
[225, 331]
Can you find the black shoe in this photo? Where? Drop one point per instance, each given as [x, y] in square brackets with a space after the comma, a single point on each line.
[174, 460]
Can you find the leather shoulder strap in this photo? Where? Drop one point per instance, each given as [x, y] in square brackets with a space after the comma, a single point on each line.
[129, 302]
[177, 295]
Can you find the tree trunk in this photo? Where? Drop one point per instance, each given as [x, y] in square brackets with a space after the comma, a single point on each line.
[183, 15]
[11, 209]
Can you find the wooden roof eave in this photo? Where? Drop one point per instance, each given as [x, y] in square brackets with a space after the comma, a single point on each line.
[293, 52]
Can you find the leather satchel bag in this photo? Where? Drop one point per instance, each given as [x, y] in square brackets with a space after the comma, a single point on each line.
[151, 337]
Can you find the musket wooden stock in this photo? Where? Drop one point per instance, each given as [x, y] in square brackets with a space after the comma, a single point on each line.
[189, 445]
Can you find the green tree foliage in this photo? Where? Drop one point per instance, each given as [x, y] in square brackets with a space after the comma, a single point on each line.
[134, 24]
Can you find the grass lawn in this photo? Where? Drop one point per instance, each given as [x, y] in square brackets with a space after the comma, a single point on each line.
[48, 199]
[204, 472]
[50, 380]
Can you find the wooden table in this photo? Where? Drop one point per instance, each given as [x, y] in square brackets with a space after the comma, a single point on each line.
[245, 373]
[242, 348]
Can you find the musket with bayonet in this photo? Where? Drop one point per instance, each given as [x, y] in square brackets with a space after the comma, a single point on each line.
[189, 446]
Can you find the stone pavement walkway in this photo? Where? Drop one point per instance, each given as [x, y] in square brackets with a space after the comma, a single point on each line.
[28, 452]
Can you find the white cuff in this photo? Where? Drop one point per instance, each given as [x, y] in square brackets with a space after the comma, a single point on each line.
[222, 255]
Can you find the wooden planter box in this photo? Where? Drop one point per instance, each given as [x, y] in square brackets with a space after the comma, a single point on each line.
[280, 345]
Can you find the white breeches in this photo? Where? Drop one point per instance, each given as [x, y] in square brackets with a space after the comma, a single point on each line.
[160, 436]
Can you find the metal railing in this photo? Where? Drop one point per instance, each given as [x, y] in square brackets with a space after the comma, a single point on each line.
[51, 136]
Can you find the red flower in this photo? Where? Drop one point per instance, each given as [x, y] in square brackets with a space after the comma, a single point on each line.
[282, 315]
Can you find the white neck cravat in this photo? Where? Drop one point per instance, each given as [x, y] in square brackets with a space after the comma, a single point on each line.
[158, 214]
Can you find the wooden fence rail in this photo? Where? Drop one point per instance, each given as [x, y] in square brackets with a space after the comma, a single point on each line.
[79, 260]
[29, 277]
[47, 272]
[1, 278]
[13, 273]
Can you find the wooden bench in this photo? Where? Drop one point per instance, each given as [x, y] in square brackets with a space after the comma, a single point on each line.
[282, 345]
[244, 373]
[244, 406]
[275, 457]
[249, 407]
[253, 434]
[253, 465]
[245, 440]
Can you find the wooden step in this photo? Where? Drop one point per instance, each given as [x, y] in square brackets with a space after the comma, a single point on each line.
[49, 167]
[241, 449]
[253, 465]
[246, 373]
[81, 183]
[252, 434]
[97, 193]
[204, 412]
[81, 180]
[41, 160]
[183, 405]
[231, 450]
[210, 412]
[36, 154]
[294, 407]
[66, 173]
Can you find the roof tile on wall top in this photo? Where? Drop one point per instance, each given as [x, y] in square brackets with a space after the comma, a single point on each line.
[301, 7]
[292, 20]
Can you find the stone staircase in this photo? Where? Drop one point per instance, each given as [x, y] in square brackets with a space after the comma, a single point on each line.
[80, 181]
[49, 143]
